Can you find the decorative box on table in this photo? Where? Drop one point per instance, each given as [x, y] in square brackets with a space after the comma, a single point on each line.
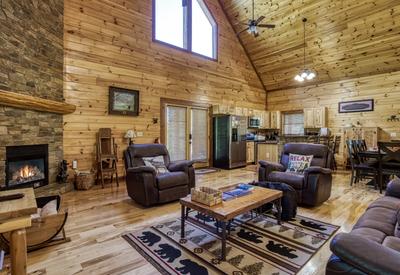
[206, 195]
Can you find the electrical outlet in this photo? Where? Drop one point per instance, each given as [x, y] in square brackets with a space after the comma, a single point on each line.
[139, 134]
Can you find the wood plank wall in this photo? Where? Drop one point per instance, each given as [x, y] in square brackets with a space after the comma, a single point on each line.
[109, 42]
[383, 88]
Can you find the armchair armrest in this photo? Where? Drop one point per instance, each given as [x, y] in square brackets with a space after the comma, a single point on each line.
[317, 169]
[180, 165]
[393, 189]
[141, 169]
[365, 255]
[273, 166]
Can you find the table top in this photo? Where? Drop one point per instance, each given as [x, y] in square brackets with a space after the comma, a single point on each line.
[19, 207]
[228, 210]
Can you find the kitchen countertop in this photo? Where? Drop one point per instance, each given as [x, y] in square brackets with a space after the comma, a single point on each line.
[264, 141]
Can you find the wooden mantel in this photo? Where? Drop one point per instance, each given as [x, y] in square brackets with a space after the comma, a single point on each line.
[28, 102]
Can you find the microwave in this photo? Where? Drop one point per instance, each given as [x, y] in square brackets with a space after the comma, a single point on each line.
[254, 122]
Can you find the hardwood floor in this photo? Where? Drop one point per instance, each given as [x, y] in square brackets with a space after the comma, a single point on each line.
[99, 216]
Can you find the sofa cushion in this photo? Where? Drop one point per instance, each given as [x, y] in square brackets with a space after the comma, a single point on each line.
[370, 234]
[157, 163]
[379, 218]
[386, 202]
[293, 179]
[392, 242]
[171, 179]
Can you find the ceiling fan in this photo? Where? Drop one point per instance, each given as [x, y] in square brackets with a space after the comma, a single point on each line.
[254, 24]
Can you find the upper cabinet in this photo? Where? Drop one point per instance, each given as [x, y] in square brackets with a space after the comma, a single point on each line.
[275, 120]
[315, 117]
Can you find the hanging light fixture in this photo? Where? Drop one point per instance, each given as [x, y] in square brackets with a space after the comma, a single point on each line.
[305, 74]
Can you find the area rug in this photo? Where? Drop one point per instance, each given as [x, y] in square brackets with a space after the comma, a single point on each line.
[204, 171]
[257, 245]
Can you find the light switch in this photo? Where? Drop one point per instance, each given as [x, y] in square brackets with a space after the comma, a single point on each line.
[139, 134]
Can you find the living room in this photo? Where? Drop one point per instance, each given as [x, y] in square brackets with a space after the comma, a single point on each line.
[118, 117]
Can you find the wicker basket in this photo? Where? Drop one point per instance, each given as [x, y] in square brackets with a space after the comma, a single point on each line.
[206, 195]
[84, 180]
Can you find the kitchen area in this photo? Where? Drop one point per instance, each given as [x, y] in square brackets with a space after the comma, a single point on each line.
[260, 135]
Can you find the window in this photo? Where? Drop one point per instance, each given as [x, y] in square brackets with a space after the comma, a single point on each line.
[186, 24]
[293, 124]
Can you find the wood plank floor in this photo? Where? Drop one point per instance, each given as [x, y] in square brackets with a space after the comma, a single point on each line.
[98, 217]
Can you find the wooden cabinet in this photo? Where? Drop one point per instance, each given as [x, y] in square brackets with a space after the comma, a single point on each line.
[315, 117]
[265, 120]
[250, 152]
[267, 152]
[275, 120]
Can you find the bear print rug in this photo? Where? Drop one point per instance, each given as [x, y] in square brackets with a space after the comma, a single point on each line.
[256, 245]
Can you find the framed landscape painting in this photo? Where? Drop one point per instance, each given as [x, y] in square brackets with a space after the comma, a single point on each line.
[366, 105]
[123, 102]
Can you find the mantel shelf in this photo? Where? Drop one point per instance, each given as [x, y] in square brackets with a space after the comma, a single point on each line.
[28, 102]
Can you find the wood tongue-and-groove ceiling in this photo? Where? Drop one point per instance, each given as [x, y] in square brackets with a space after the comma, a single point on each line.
[345, 38]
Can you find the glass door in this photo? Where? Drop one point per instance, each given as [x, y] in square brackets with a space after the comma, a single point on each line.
[187, 133]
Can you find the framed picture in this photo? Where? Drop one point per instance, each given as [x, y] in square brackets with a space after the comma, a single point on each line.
[123, 102]
[366, 105]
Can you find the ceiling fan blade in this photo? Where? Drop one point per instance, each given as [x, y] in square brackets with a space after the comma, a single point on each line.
[246, 29]
[261, 18]
[269, 26]
[241, 23]
[256, 34]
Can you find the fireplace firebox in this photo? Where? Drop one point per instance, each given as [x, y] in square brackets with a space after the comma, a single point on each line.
[27, 166]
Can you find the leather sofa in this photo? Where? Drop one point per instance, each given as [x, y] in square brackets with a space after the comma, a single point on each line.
[147, 187]
[373, 245]
[313, 187]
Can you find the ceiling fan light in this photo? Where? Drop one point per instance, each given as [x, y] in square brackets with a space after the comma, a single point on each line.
[299, 78]
[304, 74]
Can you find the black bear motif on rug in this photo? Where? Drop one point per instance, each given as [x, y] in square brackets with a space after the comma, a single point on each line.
[149, 238]
[281, 249]
[250, 236]
[204, 218]
[192, 268]
[313, 225]
[169, 252]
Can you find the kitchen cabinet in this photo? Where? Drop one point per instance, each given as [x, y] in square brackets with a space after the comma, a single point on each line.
[250, 152]
[275, 120]
[315, 117]
[265, 122]
[267, 151]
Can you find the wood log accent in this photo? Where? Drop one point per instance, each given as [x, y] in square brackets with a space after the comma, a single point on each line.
[23, 101]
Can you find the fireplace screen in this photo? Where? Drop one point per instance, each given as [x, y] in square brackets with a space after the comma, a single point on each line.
[26, 171]
[26, 166]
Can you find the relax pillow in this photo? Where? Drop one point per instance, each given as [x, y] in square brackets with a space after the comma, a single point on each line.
[157, 163]
[298, 163]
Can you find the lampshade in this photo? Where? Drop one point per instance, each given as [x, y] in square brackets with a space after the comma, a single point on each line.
[130, 134]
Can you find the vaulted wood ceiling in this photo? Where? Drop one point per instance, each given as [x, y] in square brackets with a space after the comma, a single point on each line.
[345, 38]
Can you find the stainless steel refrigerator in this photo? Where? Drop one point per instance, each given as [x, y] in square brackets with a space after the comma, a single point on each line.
[229, 141]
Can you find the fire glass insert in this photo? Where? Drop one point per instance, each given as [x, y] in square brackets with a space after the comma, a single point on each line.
[27, 166]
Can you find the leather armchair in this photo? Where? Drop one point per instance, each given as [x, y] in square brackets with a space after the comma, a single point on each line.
[147, 187]
[373, 245]
[314, 186]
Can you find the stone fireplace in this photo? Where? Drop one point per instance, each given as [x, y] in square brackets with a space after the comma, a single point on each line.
[27, 166]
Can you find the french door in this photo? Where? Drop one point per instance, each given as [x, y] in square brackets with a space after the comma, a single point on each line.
[187, 133]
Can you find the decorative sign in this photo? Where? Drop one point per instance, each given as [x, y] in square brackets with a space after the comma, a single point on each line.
[366, 105]
[123, 102]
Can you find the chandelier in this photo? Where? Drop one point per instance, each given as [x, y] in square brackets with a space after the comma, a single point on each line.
[305, 74]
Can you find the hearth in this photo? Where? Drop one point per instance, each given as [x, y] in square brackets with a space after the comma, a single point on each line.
[27, 166]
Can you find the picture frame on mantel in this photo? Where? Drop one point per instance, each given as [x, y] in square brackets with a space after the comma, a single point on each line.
[365, 105]
[123, 102]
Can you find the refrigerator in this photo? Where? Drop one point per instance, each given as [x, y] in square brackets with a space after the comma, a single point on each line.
[229, 141]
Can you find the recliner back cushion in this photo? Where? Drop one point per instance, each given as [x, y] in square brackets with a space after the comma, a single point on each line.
[139, 151]
[318, 151]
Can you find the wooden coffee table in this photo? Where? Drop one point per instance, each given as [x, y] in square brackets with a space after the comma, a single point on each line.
[228, 210]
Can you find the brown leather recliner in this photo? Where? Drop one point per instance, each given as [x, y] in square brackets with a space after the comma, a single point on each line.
[313, 187]
[147, 187]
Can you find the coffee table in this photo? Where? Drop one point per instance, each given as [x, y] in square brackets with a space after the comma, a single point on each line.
[228, 210]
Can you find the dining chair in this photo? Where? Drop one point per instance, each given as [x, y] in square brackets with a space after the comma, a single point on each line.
[388, 161]
[335, 144]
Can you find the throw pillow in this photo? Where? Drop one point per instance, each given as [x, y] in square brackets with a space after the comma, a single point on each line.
[298, 163]
[157, 163]
[50, 208]
[37, 214]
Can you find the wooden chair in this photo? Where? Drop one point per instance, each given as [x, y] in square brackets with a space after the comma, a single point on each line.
[107, 157]
[388, 160]
[334, 144]
[45, 231]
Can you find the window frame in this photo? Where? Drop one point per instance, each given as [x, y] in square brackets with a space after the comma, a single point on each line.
[187, 33]
[296, 112]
